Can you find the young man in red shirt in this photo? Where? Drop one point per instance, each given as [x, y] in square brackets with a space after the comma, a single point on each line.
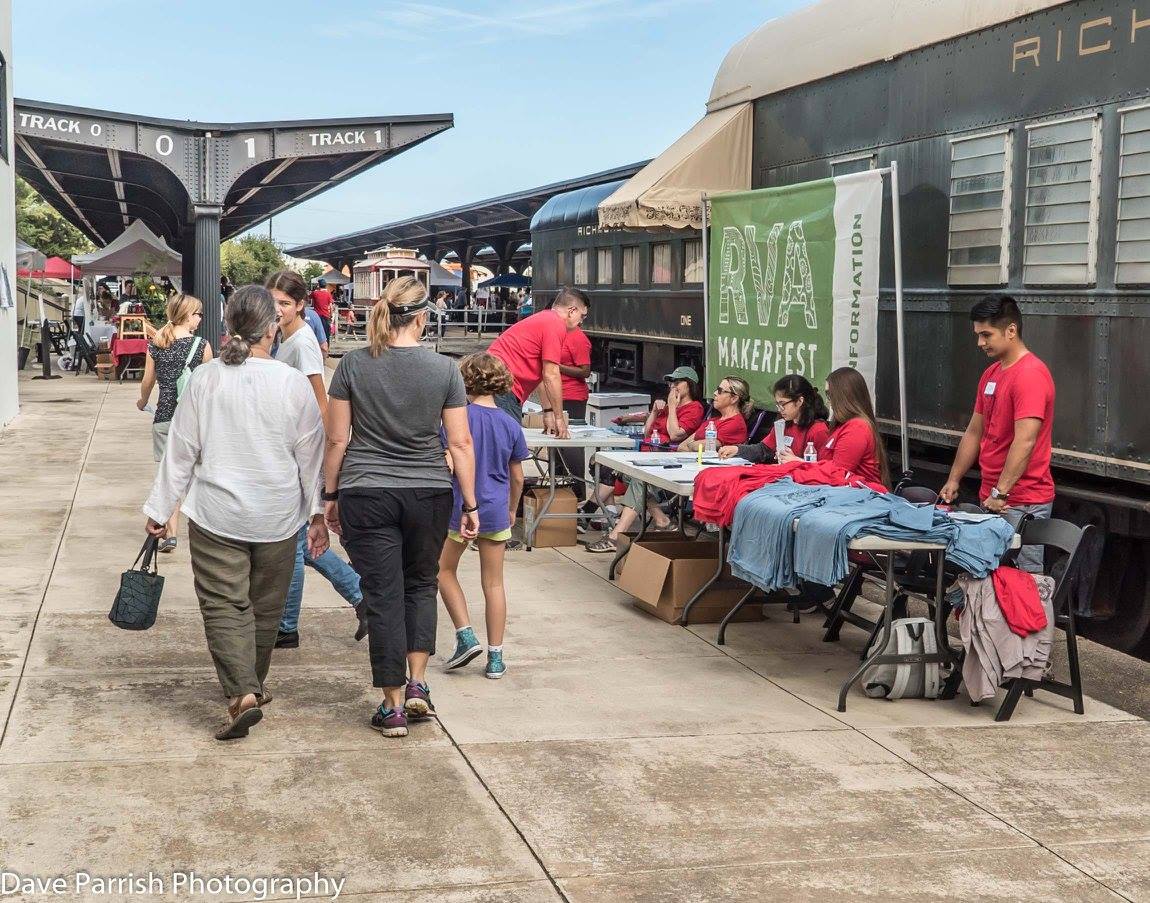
[532, 350]
[321, 303]
[1010, 431]
[574, 368]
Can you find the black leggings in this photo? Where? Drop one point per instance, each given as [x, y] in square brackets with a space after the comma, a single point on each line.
[394, 537]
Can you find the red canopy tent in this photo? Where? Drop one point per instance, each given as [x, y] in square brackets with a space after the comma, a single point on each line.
[54, 268]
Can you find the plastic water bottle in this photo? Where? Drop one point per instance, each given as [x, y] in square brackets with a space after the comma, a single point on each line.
[809, 453]
[711, 439]
[656, 439]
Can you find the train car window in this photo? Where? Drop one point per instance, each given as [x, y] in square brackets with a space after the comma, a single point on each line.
[693, 260]
[1134, 198]
[562, 276]
[979, 240]
[1063, 187]
[604, 266]
[582, 277]
[844, 166]
[631, 265]
[661, 263]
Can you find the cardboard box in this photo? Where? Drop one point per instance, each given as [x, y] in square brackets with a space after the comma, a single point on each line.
[662, 575]
[535, 421]
[106, 371]
[603, 407]
[551, 533]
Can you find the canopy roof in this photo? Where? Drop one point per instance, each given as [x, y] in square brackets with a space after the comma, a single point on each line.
[53, 268]
[504, 220]
[101, 170]
[507, 280]
[714, 156]
[835, 36]
[27, 257]
[443, 277]
[333, 277]
[136, 250]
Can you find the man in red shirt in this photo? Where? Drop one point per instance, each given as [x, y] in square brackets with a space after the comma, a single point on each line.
[1010, 431]
[532, 350]
[321, 303]
[574, 368]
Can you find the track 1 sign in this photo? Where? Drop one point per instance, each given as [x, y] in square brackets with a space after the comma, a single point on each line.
[793, 282]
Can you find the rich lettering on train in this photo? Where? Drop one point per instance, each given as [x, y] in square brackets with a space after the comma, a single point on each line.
[1104, 34]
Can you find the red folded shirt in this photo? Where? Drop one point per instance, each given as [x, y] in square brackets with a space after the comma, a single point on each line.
[719, 489]
[1018, 598]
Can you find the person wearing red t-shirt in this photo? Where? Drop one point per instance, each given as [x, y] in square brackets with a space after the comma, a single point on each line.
[1009, 433]
[532, 350]
[730, 404]
[805, 414]
[321, 303]
[574, 368]
[854, 443]
[731, 400]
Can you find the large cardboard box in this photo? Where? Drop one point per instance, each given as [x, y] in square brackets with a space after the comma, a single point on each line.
[535, 421]
[662, 575]
[551, 533]
[603, 407]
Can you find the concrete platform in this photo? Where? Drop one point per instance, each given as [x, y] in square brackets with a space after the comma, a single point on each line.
[621, 759]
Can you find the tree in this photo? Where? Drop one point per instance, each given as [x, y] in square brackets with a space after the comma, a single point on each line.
[250, 259]
[43, 228]
[312, 270]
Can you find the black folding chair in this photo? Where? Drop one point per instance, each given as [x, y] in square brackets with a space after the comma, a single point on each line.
[1061, 542]
[84, 355]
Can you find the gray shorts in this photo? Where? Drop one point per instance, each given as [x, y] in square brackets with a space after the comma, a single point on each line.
[160, 439]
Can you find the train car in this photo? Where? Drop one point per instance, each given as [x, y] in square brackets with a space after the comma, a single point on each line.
[1024, 156]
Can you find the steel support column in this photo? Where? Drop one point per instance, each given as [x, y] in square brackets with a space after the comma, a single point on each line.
[207, 272]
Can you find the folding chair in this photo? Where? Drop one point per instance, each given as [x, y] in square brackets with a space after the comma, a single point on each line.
[1066, 539]
[85, 354]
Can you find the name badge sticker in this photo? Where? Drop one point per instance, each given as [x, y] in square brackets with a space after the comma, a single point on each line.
[990, 387]
[788, 441]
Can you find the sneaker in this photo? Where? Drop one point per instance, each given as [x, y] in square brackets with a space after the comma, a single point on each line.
[361, 614]
[603, 546]
[287, 639]
[417, 701]
[390, 722]
[495, 668]
[467, 647]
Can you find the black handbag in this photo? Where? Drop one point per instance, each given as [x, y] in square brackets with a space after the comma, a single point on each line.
[138, 600]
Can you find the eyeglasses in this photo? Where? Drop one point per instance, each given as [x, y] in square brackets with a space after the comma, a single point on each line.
[782, 405]
[719, 390]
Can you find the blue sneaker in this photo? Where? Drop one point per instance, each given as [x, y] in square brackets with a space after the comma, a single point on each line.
[467, 647]
[495, 668]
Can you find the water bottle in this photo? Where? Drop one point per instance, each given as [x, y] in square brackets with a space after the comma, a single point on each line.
[711, 439]
[809, 453]
[656, 439]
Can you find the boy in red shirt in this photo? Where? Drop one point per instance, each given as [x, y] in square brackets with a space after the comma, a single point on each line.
[1010, 431]
[321, 304]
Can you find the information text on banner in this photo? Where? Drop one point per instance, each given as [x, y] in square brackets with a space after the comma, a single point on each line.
[793, 281]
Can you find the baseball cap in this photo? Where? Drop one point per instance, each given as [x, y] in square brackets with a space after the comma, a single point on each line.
[682, 373]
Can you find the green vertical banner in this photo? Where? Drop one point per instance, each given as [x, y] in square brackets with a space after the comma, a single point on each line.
[792, 283]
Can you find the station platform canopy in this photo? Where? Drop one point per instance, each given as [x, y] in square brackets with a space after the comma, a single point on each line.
[502, 224]
[195, 184]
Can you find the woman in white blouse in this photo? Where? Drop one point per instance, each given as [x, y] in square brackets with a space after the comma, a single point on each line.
[244, 449]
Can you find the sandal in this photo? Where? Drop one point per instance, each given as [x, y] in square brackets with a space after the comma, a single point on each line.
[240, 721]
[603, 545]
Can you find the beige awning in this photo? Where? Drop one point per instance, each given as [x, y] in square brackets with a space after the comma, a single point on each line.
[714, 156]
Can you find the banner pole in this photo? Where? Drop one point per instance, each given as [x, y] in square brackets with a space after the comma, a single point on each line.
[901, 339]
[706, 287]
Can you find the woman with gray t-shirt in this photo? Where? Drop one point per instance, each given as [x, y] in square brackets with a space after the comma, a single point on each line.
[388, 490]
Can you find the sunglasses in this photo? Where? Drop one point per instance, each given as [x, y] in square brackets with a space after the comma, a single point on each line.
[719, 390]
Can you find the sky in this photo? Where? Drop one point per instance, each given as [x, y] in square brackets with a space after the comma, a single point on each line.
[541, 90]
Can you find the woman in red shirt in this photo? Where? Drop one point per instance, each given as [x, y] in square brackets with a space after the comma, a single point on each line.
[730, 405]
[855, 444]
[805, 414]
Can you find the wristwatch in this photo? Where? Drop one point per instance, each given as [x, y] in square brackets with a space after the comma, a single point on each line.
[329, 496]
[996, 493]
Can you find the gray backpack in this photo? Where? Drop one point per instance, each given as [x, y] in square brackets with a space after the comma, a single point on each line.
[908, 636]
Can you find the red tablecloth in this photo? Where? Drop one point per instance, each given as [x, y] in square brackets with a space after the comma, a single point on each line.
[125, 347]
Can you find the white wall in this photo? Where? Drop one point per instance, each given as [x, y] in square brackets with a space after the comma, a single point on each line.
[9, 401]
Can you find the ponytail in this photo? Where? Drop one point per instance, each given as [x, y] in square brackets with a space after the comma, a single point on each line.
[378, 328]
[250, 311]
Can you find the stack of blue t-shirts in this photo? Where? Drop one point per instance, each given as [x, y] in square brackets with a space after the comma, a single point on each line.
[821, 541]
[763, 536]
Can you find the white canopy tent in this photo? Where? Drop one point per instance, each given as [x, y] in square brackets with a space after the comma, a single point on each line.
[136, 250]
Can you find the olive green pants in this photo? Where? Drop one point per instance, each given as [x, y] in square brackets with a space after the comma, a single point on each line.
[241, 587]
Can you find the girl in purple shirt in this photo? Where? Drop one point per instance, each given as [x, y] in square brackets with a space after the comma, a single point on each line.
[499, 453]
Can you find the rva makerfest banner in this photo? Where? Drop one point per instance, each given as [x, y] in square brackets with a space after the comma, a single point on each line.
[793, 282]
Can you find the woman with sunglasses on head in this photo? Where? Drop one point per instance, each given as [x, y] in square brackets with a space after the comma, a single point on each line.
[730, 404]
[803, 411]
[174, 347]
[854, 444]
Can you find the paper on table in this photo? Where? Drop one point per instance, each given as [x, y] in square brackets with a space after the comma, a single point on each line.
[780, 432]
[970, 517]
[726, 462]
[655, 460]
